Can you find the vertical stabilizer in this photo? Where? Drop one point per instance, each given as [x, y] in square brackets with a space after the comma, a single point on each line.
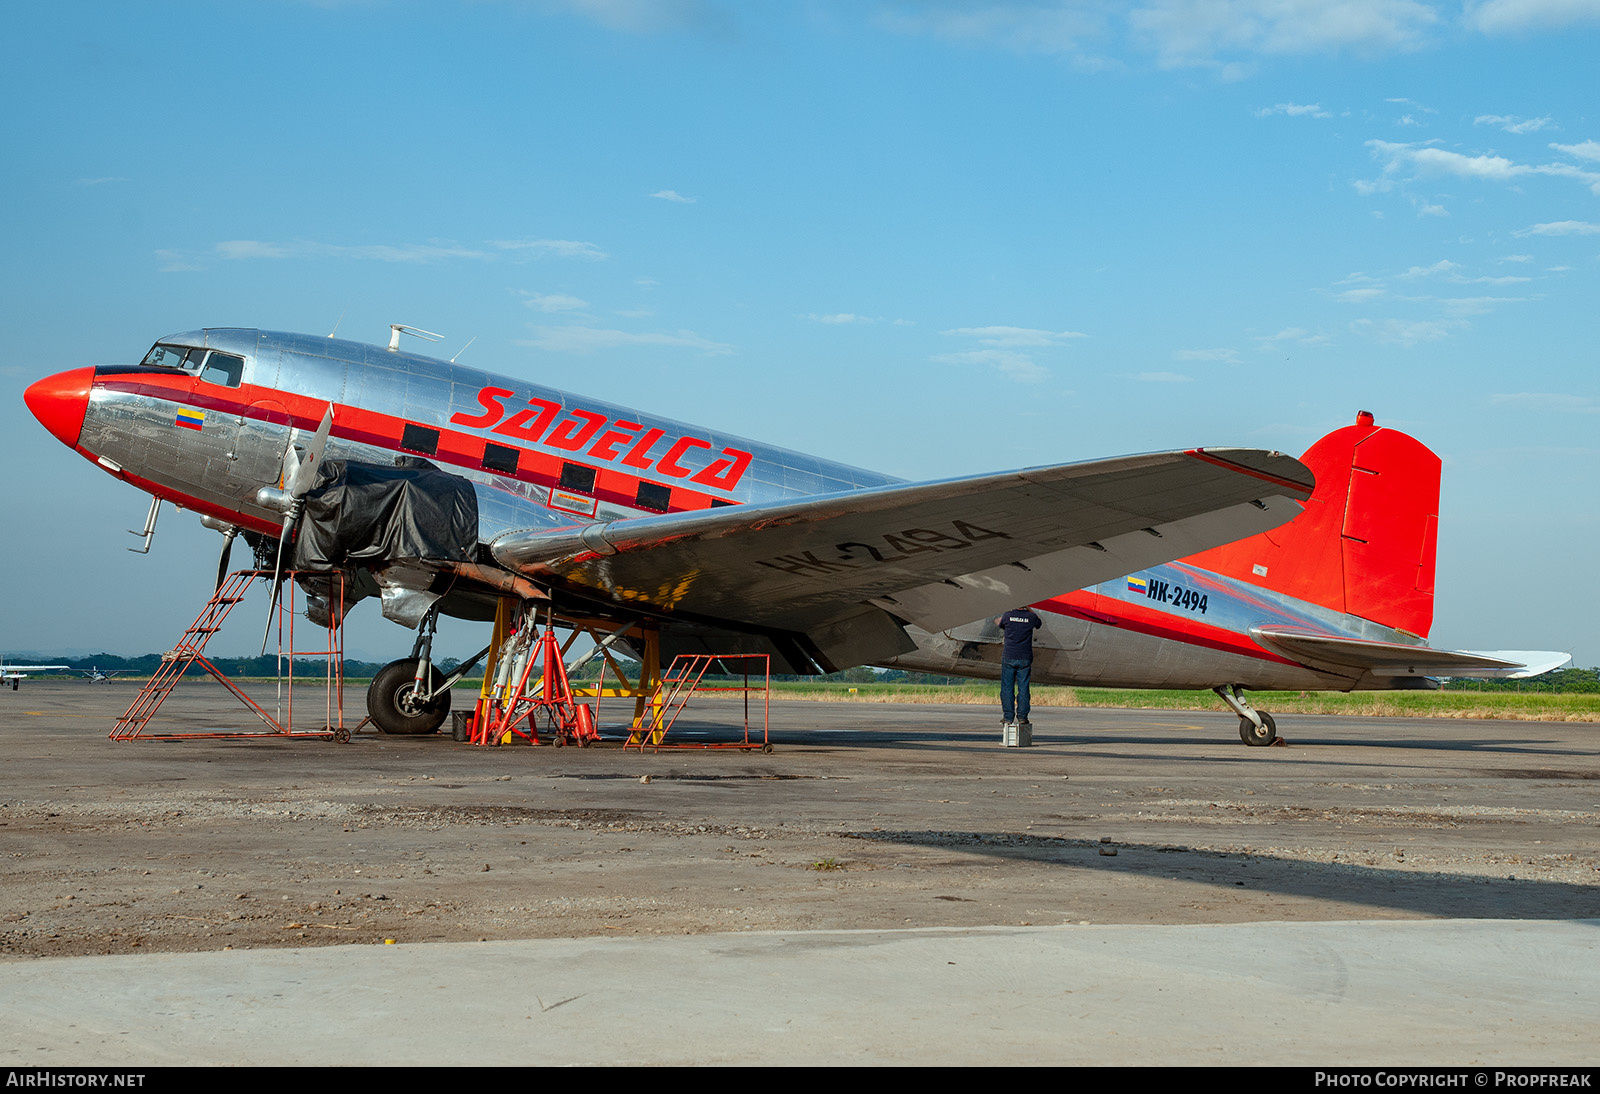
[1365, 543]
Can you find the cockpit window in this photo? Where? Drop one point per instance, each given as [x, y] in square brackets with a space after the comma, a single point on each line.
[222, 368]
[212, 366]
[170, 356]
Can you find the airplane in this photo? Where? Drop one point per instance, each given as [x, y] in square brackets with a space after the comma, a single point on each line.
[438, 487]
[94, 675]
[15, 674]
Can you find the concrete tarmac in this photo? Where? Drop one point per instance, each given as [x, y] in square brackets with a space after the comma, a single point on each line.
[888, 886]
[1445, 993]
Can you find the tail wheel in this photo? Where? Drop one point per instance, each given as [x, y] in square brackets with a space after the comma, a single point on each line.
[393, 703]
[1265, 734]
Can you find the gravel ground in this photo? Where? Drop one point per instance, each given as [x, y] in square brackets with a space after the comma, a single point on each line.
[889, 816]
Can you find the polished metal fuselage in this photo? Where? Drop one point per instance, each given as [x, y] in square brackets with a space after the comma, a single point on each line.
[141, 424]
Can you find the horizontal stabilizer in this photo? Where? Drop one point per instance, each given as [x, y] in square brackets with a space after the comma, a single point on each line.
[1328, 651]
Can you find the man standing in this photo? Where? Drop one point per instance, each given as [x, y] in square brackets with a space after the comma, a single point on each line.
[1016, 663]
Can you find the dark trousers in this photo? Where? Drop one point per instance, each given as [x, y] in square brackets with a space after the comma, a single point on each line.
[1014, 675]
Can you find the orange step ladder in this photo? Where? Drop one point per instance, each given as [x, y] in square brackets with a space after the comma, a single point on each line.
[190, 650]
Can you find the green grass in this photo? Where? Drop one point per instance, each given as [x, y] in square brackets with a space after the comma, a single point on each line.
[1512, 705]
[1523, 705]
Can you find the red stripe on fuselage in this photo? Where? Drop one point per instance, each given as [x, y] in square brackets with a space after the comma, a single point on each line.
[371, 427]
[1095, 608]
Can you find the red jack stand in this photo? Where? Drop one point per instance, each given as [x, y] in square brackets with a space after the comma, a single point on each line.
[551, 704]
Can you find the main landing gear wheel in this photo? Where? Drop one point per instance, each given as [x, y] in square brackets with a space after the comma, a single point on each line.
[392, 700]
[1265, 735]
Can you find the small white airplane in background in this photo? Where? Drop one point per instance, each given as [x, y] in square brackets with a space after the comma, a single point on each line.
[15, 674]
[94, 674]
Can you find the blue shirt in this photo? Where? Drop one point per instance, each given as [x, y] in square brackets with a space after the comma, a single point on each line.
[1019, 625]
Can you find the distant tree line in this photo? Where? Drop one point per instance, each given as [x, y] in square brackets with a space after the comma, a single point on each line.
[1560, 680]
[146, 664]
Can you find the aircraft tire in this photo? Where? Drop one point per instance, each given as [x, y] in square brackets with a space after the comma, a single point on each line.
[388, 701]
[1250, 735]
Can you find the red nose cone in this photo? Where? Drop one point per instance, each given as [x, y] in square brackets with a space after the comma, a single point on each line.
[59, 402]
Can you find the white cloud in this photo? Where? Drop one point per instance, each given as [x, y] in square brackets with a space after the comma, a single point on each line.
[1546, 401]
[1011, 24]
[1512, 124]
[1444, 265]
[1405, 332]
[1510, 16]
[1016, 336]
[673, 195]
[1517, 258]
[1505, 280]
[1188, 31]
[555, 248]
[1561, 228]
[1584, 150]
[1360, 296]
[840, 318]
[1298, 335]
[553, 302]
[1476, 305]
[1009, 363]
[1164, 378]
[1425, 159]
[1228, 355]
[176, 262]
[251, 248]
[1293, 110]
[651, 16]
[579, 339]
[432, 251]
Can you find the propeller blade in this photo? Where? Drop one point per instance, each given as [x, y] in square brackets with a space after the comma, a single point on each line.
[277, 572]
[227, 550]
[300, 467]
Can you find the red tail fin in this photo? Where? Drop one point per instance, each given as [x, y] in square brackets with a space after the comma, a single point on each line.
[1365, 543]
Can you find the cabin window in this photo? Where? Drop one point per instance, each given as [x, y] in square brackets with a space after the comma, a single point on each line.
[718, 503]
[653, 495]
[223, 368]
[499, 457]
[575, 476]
[419, 438]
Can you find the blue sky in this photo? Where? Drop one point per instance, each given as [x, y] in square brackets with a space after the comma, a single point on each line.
[928, 238]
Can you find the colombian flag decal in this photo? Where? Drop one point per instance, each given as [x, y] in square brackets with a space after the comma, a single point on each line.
[1139, 585]
[190, 419]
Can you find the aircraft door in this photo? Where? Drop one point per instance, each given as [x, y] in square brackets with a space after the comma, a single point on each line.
[256, 453]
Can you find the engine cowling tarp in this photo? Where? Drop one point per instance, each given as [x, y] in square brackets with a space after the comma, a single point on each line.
[363, 514]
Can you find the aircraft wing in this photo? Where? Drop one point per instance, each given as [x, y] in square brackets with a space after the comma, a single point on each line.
[1394, 659]
[843, 569]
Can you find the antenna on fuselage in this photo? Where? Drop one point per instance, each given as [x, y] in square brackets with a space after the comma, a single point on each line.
[463, 349]
[397, 329]
[342, 314]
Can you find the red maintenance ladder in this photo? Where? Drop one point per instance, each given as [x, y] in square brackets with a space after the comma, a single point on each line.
[190, 650]
[684, 679]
